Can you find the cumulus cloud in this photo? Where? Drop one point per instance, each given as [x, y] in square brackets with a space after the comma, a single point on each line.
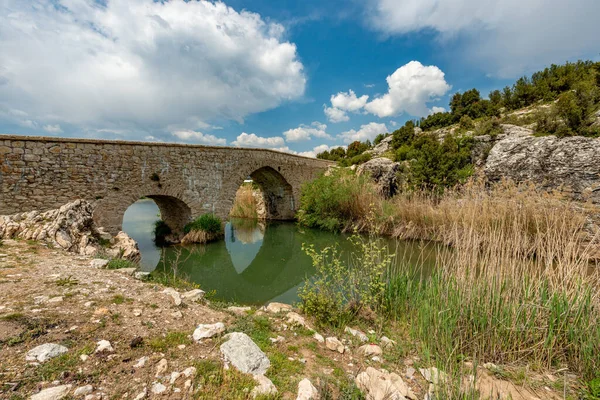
[199, 137]
[53, 128]
[335, 115]
[435, 110]
[343, 102]
[306, 132]
[509, 37]
[317, 149]
[366, 132]
[141, 62]
[252, 140]
[410, 87]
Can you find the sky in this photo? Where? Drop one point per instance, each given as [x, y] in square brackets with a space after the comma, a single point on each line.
[297, 76]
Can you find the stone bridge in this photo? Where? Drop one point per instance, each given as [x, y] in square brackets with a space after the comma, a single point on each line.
[185, 181]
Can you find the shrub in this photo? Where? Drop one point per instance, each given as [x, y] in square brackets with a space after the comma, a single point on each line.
[356, 160]
[209, 223]
[466, 122]
[120, 263]
[490, 126]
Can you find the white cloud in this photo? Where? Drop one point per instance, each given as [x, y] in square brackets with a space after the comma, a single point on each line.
[317, 149]
[335, 115]
[348, 101]
[252, 140]
[53, 128]
[341, 103]
[143, 63]
[366, 132]
[509, 37]
[410, 88]
[199, 137]
[435, 110]
[305, 132]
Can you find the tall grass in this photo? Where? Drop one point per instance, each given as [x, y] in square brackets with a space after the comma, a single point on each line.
[245, 204]
[515, 286]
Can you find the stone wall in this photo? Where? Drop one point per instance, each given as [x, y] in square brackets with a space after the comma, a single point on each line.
[41, 173]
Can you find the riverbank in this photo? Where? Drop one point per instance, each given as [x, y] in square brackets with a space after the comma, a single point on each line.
[51, 296]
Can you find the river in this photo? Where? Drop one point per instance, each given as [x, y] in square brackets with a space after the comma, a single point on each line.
[256, 263]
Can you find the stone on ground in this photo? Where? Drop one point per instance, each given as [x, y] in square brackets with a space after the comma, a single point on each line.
[380, 385]
[205, 331]
[387, 342]
[307, 391]
[239, 310]
[278, 307]
[318, 337]
[174, 295]
[297, 319]
[332, 343]
[98, 263]
[244, 354]
[264, 388]
[104, 346]
[45, 352]
[53, 393]
[433, 375]
[161, 367]
[193, 295]
[356, 333]
[158, 388]
[83, 391]
[369, 350]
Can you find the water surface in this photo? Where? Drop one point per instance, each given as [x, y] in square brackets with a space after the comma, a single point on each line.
[257, 262]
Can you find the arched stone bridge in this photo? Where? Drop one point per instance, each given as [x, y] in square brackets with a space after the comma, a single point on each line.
[185, 181]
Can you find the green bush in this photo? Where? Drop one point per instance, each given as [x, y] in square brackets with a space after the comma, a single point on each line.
[120, 263]
[356, 160]
[466, 122]
[489, 126]
[209, 223]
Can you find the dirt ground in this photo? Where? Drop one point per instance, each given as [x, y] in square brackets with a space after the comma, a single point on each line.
[50, 296]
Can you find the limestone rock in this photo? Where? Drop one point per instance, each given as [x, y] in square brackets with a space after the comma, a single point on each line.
[380, 385]
[83, 391]
[387, 342]
[244, 354]
[356, 333]
[239, 310]
[158, 388]
[382, 147]
[278, 307]
[161, 367]
[205, 331]
[98, 263]
[297, 319]
[53, 393]
[306, 390]
[141, 275]
[264, 388]
[174, 295]
[433, 375]
[123, 246]
[141, 362]
[369, 350]
[333, 344]
[550, 162]
[193, 295]
[45, 352]
[383, 172]
[318, 337]
[104, 346]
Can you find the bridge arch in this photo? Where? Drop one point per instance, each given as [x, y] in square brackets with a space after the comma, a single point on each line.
[278, 192]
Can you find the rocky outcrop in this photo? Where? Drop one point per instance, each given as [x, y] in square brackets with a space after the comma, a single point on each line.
[382, 147]
[571, 164]
[70, 227]
[483, 144]
[383, 171]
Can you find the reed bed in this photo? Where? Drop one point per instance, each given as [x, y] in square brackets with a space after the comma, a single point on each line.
[245, 204]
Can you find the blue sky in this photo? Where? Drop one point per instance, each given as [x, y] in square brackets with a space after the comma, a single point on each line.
[289, 75]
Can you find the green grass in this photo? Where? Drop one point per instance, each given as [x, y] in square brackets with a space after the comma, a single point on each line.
[284, 373]
[119, 263]
[217, 382]
[169, 341]
[258, 328]
[119, 299]
[209, 223]
[66, 282]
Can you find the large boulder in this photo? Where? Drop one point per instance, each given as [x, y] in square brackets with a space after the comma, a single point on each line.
[570, 163]
[244, 354]
[383, 171]
[381, 385]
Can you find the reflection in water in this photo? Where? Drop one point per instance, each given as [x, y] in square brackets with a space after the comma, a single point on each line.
[256, 263]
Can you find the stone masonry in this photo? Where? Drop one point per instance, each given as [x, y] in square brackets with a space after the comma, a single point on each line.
[185, 181]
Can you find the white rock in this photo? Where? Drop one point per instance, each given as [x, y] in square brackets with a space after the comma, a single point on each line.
[307, 391]
[410, 372]
[137, 312]
[318, 337]
[264, 387]
[239, 310]
[141, 275]
[376, 359]
[98, 263]
[278, 339]
[356, 333]
[57, 299]
[158, 388]
[53, 393]
[193, 295]
[190, 371]
[387, 342]
[369, 350]
[332, 343]
[142, 395]
[104, 346]
[278, 307]
[84, 357]
[244, 354]
[380, 385]
[174, 295]
[296, 319]
[45, 352]
[177, 314]
[83, 391]
[174, 376]
[141, 362]
[433, 375]
[161, 367]
[204, 331]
